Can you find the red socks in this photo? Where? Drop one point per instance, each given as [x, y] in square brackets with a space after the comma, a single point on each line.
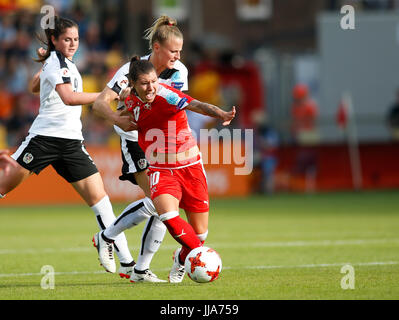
[181, 230]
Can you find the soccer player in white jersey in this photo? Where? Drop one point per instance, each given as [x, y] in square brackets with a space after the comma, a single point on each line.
[55, 137]
[165, 42]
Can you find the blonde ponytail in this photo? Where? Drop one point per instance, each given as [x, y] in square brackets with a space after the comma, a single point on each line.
[161, 30]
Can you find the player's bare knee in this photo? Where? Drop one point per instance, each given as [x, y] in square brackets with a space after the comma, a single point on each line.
[199, 221]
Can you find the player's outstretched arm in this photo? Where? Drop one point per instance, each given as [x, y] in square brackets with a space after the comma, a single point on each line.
[72, 98]
[102, 107]
[212, 111]
[66, 93]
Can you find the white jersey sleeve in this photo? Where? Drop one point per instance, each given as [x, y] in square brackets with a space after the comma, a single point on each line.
[176, 78]
[56, 71]
[180, 78]
[120, 80]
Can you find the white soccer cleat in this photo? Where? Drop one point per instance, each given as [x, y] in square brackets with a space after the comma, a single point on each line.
[105, 251]
[177, 273]
[144, 276]
[125, 271]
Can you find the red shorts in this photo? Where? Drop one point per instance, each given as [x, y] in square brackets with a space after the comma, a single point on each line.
[187, 184]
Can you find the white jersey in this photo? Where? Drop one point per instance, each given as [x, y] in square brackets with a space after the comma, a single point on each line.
[55, 119]
[176, 78]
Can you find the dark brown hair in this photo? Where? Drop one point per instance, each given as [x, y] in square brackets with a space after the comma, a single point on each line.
[138, 67]
[60, 25]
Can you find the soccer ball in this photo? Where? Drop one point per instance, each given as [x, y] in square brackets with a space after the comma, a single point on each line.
[203, 264]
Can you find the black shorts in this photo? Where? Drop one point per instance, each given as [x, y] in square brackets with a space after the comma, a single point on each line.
[68, 157]
[133, 158]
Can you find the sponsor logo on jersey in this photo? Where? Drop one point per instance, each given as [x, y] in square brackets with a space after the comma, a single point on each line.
[28, 158]
[181, 103]
[177, 85]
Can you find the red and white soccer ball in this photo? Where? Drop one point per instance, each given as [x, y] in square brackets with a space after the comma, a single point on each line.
[203, 264]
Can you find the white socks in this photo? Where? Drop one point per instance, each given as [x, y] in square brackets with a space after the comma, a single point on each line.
[133, 214]
[105, 216]
[203, 236]
[153, 233]
[151, 240]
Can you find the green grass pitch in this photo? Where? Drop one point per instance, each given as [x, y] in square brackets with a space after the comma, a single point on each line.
[283, 247]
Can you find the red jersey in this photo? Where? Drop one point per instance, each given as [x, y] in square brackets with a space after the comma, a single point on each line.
[162, 125]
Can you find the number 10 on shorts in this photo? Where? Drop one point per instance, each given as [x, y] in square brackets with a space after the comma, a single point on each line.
[154, 178]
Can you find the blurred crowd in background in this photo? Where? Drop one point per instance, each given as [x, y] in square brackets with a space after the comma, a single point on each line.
[103, 50]
[99, 55]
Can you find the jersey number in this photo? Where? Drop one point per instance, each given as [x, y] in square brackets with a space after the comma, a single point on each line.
[136, 113]
[75, 85]
[154, 178]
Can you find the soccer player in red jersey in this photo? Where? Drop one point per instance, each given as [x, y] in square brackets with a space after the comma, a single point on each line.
[176, 173]
[165, 44]
[177, 177]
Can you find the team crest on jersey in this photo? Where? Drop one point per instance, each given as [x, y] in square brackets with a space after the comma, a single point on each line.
[65, 72]
[28, 158]
[142, 163]
[129, 103]
[147, 106]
